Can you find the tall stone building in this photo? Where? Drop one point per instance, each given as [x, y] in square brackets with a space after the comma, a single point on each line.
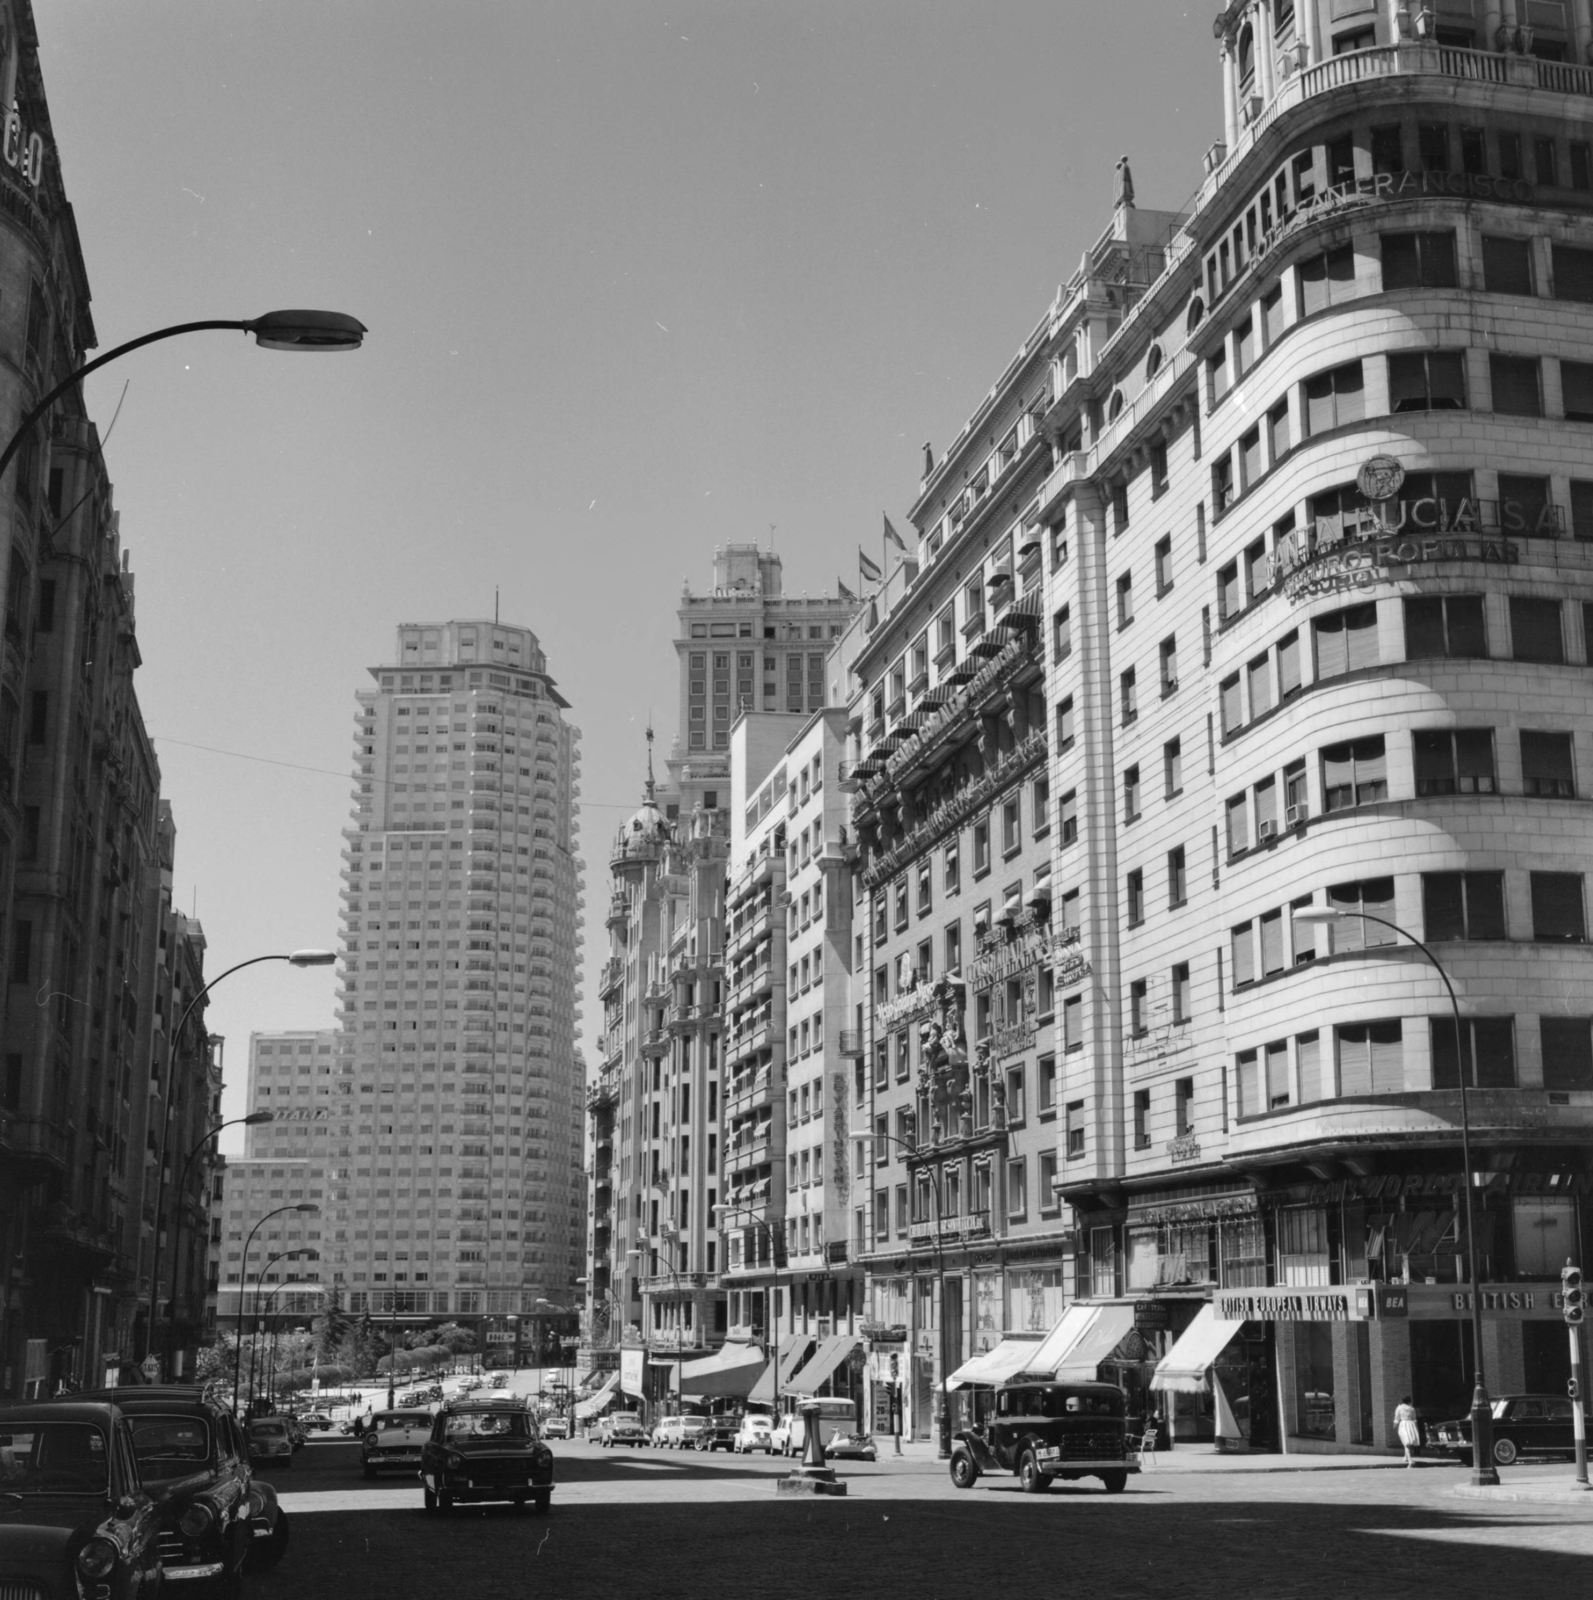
[99, 1106]
[455, 1184]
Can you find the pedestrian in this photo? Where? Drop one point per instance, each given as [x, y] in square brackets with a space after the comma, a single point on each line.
[1408, 1425]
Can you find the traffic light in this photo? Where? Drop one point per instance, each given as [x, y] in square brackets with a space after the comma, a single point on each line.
[1572, 1299]
[895, 1368]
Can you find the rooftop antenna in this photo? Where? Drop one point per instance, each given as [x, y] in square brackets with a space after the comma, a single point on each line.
[494, 604]
[771, 538]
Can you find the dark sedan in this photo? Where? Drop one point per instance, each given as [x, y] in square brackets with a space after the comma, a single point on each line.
[74, 1517]
[1523, 1425]
[479, 1450]
[215, 1515]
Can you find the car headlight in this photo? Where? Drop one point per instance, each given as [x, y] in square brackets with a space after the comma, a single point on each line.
[196, 1520]
[453, 1460]
[97, 1558]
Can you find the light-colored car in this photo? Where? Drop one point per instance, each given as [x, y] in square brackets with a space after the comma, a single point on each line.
[666, 1433]
[755, 1433]
[692, 1432]
[270, 1441]
[393, 1440]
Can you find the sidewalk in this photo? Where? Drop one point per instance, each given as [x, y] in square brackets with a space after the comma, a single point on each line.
[1205, 1458]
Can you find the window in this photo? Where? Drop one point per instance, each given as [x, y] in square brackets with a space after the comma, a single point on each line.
[1238, 816]
[1419, 261]
[1138, 1020]
[1242, 953]
[1041, 800]
[1433, 380]
[1017, 1189]
[1447, 625]
[1135, 896]
[1130, 794]
[1372, 897]
[1172, 768]
[1272, 958]
[1231, 700]
[953, 869]
[1164, 565]
[1458, 761]
[1073, 1023]
[1183, 1106]
[1119, 489]
[1062, 634]
[1334, 398]
[1557, 913]
[1535, 631]
[1473, 142]
[1546, 770]
[1326, 279]
[1576, 391]
[1158, 451]
[1278, 432]
[1177, 878]
[1581, 165]
[1506, 263]
[1573, 273]
[1128, 697]
[1217, 374]
[1222, 483]
[1272, 314]
[1258, 674]
[1244, 346]
[1432, 139]
[1125, 599]
[1345, 640]
[1250, 466]
[1371, 1057]
[1354, 773]
[1230, 601]
[1567, 1052]
[1065, 729]
[1516, 392]
[1074, 1129]
[1543, 158]
[1487, 1045]
[1068, 816]
[1181, 992]
[1142, 1138]
[1047, 1071]
[981, 847]
[1308, 1066]
[1289, 664]
[1387, 152]
[1463, 905]
[952, 944]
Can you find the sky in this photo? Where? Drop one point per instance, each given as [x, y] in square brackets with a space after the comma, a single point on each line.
[640, 279]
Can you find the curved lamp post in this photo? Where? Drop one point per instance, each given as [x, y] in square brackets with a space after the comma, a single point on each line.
[253, 1120]
[940, 1276]
[243, 1289]
[299, 958]
[276, 330]
[1483, 1471]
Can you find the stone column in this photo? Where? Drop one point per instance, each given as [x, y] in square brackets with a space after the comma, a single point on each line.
[1492, 21]
[1230, 94]
[1581, 29]
[1266, 67]
[1305, 27]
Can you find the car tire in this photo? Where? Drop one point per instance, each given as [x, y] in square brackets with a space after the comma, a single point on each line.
[265, 1554]
[964, 1473]
[1505, 1452]
[428, 1499]
[1030, 1478]
[1116, 1482]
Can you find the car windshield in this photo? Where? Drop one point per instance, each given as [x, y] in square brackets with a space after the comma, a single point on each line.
[487, 1425]
[159, 1440]
[391, 1422]
[268, 1430]
[53, 1458]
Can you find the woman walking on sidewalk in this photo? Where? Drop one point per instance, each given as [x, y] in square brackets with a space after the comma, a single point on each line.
[1409, 1428]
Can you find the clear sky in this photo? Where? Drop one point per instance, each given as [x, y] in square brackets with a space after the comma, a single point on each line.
[640, 279]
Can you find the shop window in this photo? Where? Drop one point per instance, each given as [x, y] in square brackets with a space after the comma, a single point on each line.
[1313, 1362]
[1567, 1044]
[1371, 1058]
[1487, 1052]
[1545, 1235]
[1444, 625]
[1463, 905]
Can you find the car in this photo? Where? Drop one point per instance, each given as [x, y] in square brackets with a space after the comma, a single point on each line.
[753, 1434]
[1041, 1430]
[692, 1428]
[395, 1439]
[316, 1422]
[621, 1427]
[482, 1452]
[469, 1385]
[216, 1517]
[270, 1440]
[666, 1433]
[719, 1433]
[413, 1399]
[75, 1517]
[1538, 1425]
[556, 1427]
[500, 1380]
[852, 1447]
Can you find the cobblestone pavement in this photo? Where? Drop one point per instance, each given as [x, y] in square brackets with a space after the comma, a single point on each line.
[664, 1524]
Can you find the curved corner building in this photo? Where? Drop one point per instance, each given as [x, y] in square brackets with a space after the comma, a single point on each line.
[1319, 625]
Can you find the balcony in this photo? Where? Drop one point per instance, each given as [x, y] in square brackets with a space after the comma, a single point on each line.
[850, 1044]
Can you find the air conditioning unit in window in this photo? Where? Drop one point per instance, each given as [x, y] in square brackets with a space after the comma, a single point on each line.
[1296, 814]
[1267, 830]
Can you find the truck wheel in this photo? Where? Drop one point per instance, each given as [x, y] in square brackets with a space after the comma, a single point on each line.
[1116, 1482]
[964, 1474]
[1030, 1478]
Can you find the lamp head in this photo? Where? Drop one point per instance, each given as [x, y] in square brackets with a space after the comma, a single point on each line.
[312, 958]
[256, 1118]
[307, 330]
[306, 1206]
[1318, 917]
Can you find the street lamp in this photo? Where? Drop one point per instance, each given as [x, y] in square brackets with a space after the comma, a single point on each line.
[940, 1282]
[253, 1120]
[243, 1289]
[1484, 1474]
[254, 1331]
[299, 958]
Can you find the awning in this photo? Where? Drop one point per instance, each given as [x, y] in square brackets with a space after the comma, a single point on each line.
[729, 1373]
[992, 1367]
[1082, 1340]
[1186, 1365]
[600, 1399]
[826, 1359]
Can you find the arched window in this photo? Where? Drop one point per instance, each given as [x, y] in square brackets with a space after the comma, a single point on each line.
[1197, 314]
[1114, 406]
[1247, 61]
[1153, 362]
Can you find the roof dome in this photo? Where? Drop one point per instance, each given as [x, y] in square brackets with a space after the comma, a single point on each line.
[648, 825]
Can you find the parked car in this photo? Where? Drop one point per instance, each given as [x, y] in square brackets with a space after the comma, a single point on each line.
[852, 1447]
[485, 1452]
[500, 1380]
[395, 1439]
[753, 1434]
[1537, 1425]
[556, 1427]
[215, 1515]
[621, 1427]
[666, 1433]
[414, 1399]
[316, 1422]
[270, 1441]
[719, 1433]
[692, 1428]
[77, 1518]
[1041, 1431]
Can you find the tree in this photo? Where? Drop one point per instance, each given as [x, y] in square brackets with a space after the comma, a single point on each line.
[452, 1337]
[331, 1327]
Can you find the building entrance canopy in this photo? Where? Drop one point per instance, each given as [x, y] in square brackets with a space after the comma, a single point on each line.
[1187, 1365]
[992, 1367]
[729, 1373]
[826, 1360]
[1082, 1340]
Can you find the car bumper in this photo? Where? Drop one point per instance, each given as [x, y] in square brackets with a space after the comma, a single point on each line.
[1055, 1461]
[200, 1570]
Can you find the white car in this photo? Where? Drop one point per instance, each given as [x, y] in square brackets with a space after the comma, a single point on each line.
[755, 1433]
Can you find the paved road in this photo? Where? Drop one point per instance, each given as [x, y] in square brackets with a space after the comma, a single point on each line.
[666, 1524]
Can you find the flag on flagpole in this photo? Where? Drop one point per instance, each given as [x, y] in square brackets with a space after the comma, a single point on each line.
[868, 569]
[894, 537]
[845, 593]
